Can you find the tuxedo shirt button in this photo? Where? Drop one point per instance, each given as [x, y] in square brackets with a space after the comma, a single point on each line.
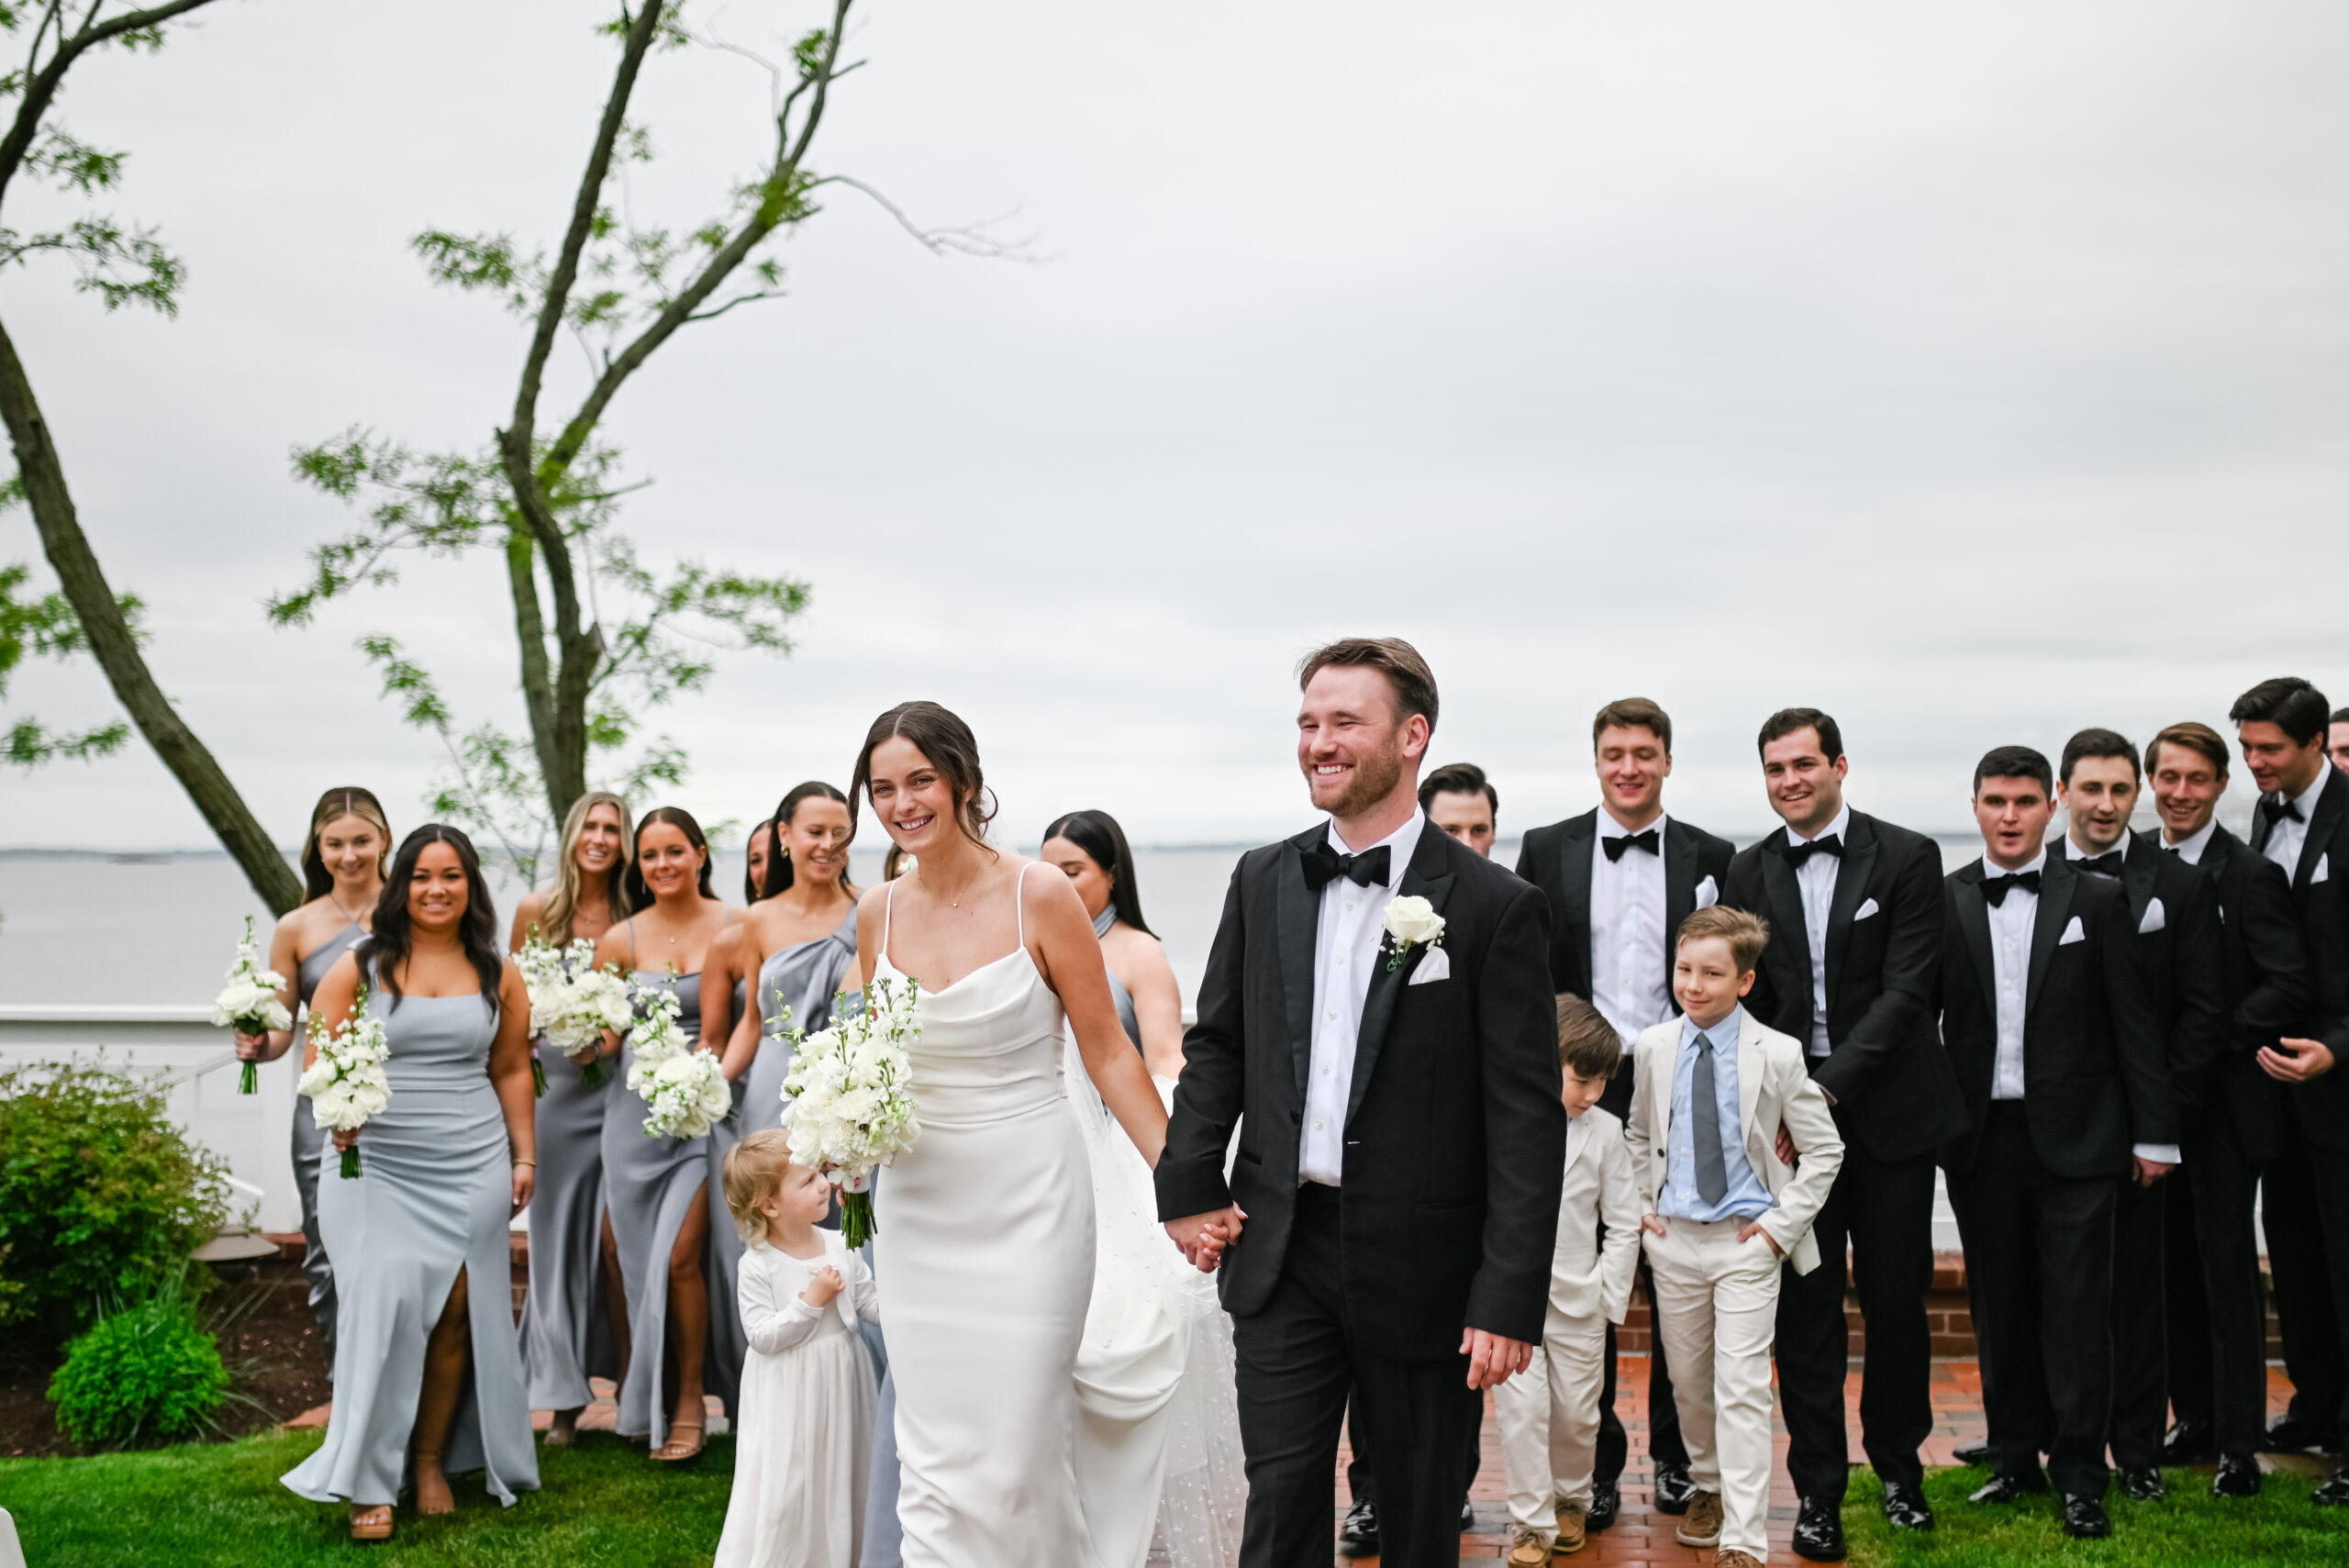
[1317, 1124]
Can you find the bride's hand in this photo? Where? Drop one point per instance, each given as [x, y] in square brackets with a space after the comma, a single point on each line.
[1203, 1237]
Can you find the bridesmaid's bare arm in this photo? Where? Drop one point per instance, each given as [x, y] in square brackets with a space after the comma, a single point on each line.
[270, 1044]
[509, 1073]
[526, 916]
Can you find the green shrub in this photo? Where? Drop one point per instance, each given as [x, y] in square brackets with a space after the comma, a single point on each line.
[100, 1195]
[143, 1371]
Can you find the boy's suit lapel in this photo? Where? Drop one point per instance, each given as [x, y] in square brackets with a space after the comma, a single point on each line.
[1751, 1065]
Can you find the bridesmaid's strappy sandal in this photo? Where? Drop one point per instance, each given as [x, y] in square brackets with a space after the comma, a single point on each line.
[371, 1524]
[675, 1450]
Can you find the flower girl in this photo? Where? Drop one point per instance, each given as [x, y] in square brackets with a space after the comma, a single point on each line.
[804, 1433]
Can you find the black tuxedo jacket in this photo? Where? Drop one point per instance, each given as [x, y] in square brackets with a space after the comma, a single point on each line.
[1455, 1135]
[2182, 967]
[2266, 981]
[2094, 1076]
[1556, 859]
[1887, 1067]
[2322, 1106]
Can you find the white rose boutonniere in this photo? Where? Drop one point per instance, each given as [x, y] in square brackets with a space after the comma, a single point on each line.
[1411, 922]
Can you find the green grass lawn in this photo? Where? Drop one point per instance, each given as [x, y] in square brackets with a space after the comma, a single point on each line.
[2190, 1528]
[205, 1503]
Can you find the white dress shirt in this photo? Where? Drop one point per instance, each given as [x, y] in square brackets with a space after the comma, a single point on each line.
[2285, 838]
[1345, 946]
[1816, 878]
[1628, 971]
[2190, 849]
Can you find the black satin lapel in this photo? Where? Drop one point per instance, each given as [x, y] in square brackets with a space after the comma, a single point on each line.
[1974, 916]
[1386, 982]
[1679, 890]
[1576, 846]
[1788, 931]
[2324, 817]
[2138, 872]
[2047, 926]
[1851, 892]
[1299, 924]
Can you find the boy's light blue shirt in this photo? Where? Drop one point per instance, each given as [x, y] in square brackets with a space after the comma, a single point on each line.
[1745, 1197]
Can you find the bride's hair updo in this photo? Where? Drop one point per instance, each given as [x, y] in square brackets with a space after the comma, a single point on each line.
[950, 747]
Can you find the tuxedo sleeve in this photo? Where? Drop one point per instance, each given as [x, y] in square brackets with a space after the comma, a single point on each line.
[1912, 954]
[1525, 1124]
[2136, 1030]
[2198, 1029]
[2282, 993]
[2328, 945]
[1210, 1091]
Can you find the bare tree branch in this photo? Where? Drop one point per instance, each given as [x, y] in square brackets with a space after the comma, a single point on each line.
[965, 240]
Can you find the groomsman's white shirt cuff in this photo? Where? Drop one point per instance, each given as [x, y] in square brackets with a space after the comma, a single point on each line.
[2159, 1153]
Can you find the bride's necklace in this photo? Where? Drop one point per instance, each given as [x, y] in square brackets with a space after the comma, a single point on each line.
[922, 876]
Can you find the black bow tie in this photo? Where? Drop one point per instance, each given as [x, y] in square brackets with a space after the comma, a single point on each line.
[1615, 846]
[1994, 888]
[1324, 865]
[1830, 845]
[2105, 865]
[2273, 807]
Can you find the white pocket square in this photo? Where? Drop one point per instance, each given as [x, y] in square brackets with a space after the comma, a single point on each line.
[2322, 872]
[1708, 894]
[1865, 909]
[2074, 932]
[2156, 918]
[1435, 964]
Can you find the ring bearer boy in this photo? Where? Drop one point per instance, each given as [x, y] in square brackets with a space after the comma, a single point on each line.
[1549, 1413]
[1713, 1090]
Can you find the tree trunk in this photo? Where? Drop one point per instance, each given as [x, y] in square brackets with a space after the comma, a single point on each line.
[116, 650]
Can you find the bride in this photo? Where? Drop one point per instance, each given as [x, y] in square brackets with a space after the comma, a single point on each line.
[984, 1229]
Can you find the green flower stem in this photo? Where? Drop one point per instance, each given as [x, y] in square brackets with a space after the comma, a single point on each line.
[248, 1081]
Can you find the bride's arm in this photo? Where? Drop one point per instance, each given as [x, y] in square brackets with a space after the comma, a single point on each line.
[1070, 956]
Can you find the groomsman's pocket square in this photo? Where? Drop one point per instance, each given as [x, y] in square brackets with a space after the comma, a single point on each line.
[1708, 894]
[2322, 871]
[1865, 909]
[2156, 918]
[2074, 932]
[1434, 964]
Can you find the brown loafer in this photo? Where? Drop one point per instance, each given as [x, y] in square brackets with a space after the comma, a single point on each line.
[1573, 1531]
[1701, 1525]
[1734, 1558]
[1528, 1551]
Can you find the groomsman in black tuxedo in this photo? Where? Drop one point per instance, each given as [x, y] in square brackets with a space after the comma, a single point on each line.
[1854, 909]
[1620, 878]
[2174, 909]
[2336, 743]
[2060, 1065]
[2232, 1119]
[2303, 826]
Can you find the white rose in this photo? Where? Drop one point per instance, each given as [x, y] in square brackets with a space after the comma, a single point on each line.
[315, 1078]
[1411, 921]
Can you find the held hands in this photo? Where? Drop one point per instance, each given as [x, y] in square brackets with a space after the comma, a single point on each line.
[827, 1285]
[1493, 1361]
[2297, 1062]
[1201, 1237]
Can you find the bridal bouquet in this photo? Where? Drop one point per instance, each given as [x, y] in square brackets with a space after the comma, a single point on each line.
[347, 1084]
[572, 1004]
[846, 1101]
[248, 1003]
[683, 1088]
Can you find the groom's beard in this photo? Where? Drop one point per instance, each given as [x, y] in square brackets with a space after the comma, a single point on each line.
[1373, 780]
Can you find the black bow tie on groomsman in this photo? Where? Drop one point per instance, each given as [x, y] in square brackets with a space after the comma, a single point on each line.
[1994, 888]
[1324, 865]
[2105, 865]
[1830, 845]
[2275, 807]
[1615, 846]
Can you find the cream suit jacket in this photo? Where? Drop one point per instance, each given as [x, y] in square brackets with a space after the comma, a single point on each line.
[1589, 1279]
[1774, 1090]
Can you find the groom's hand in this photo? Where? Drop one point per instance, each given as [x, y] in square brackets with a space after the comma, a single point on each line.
[1493, 1360]
[1203, 1237]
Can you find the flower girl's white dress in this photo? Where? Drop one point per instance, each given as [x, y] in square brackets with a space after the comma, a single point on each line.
[803, 1448]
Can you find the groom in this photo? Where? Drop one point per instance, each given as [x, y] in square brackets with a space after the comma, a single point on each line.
[1390, 1213]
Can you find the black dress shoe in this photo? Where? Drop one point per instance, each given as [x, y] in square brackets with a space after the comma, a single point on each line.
[1359, 1536]
[1904, 1506]
[2238, 1476]
[2290, 1433]
[2189, 1442]
[1467, 1515]
[1975, 1452]
[2010, 1489]
[1672, 1488]
[2333, 1494]
[2143, 1485]
[1819, 1532]
[1606, 1502]
[2083, 1520]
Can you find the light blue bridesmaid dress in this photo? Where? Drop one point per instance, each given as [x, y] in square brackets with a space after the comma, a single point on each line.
[315, 1266]
[565, 1338]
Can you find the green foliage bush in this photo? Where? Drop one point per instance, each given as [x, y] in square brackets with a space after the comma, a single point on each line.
[144, 1371]
[100, 1195]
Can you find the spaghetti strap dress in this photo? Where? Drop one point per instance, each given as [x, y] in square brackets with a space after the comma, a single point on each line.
[434, 1188]
[566, 1339]
[306, 1136]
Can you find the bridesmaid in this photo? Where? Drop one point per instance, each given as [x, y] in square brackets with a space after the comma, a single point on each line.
[799, 939]
[343, 860]
[1090, 848]
[656, 1205]
[443, 1168]
[574, 1321]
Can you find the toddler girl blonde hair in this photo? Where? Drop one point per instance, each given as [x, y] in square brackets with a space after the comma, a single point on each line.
[754, 1173]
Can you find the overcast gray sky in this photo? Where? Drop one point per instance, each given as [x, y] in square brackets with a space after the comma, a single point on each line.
[1974, 373]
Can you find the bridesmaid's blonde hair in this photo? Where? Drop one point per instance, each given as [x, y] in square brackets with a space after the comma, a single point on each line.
[754, 1172]
[563, 901]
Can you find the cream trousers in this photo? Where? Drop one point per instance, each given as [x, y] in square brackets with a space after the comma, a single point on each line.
[1717, 1310]
[1549, 1417]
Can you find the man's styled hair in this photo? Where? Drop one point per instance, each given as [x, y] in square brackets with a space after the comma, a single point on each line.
[1746, 934]
[2014, 763]
[1405, 672]
[2095, 743]
[1786, 720]
[2341, 715]
[2193, 737]
[1632, 713]
[1588, 1046]
[2289, 703]
[1458, 778]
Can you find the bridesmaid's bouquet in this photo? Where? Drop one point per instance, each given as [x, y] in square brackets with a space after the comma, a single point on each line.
[248, 1003]
[684, 1089]
[572, 1004]
[347, 1084]
[847, 1104]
